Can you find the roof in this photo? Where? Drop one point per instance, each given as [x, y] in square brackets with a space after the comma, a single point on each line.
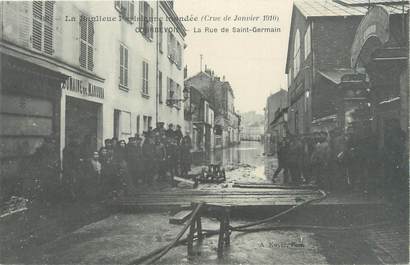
[336, 8]
[326, 8]
[340, 8]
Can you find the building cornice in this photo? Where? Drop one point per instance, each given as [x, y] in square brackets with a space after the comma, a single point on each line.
[173, 18]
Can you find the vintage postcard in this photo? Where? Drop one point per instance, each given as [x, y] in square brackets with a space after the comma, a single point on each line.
[204, 132]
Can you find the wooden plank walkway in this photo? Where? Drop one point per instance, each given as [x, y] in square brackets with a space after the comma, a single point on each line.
[245, 197]
[231, 197]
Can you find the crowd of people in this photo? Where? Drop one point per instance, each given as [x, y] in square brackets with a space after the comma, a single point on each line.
[119, 166]
[339, 160]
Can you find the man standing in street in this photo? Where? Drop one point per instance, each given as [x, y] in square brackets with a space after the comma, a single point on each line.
[282, 153]
[178, 134]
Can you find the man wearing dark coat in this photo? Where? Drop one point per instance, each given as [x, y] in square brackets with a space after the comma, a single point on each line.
[185, 155]
[148, 154]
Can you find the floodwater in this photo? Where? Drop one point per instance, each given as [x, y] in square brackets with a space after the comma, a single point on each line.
[246, 160]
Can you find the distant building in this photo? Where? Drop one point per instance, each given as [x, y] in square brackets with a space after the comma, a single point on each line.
[203, 121]
[274, 105]
[252, 133]
[220, 95]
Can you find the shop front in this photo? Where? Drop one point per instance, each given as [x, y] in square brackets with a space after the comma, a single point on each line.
[29, 114]
[82, 107]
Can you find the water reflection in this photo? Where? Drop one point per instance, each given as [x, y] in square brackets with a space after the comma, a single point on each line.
[247, 153]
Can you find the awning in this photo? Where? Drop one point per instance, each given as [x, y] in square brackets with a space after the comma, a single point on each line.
[344, 75]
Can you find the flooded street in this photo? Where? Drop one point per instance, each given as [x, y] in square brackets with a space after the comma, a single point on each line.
[123, 237]
[244, 162]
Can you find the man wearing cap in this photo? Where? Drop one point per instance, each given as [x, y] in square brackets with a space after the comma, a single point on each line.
[170, 132]
[178, 134]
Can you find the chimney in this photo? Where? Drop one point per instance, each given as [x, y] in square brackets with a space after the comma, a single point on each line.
[223, 78]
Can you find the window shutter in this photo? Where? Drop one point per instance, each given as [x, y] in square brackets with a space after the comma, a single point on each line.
[90, 58]
[146, 78]
[141, 15]
[83, 42]
[143, 77]
[121, 64]
[151, 23]
[91, 32]
[37, 25]
[48, 27]
[83, 54]
[125, 66]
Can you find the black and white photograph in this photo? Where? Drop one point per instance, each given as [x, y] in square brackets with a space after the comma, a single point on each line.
[200, 132]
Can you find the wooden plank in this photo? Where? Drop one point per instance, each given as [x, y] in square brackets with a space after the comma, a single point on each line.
[270, 186]
[185, 181]
[180, 217]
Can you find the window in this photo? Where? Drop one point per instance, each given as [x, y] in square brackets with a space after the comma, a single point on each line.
[178, 95]
[126, 9]
[160, 87]
[123, 67]
[170, 41]
[86, 43]
[296, 53]
[307, 43]
[147, 122]
[125, 122]
[42, 38]
[174, 50]
[169, 87]
[160, 35]
[145, 78]
[146, 18]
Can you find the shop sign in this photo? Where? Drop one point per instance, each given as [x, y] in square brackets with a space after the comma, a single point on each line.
[84, 88]
[374, 24]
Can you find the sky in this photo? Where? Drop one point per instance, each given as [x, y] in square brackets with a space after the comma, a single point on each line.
[253, 63]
